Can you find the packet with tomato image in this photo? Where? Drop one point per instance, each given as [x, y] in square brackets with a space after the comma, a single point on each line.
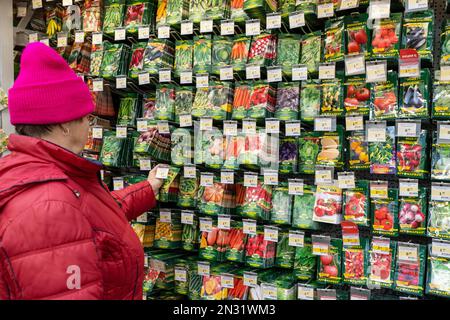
[356, 263]
[382, 154]
[413, 214]
[334, 40]
[357, 96]
[328, 205]
[356, 203]
[383, 98]
[216, 199]
[418, 33]
[213, 243]
[410, 268]
[385, 214]
[414, 96]
[411, 156]
[357, 33]
[236, 243]
[329, 266]
[358, 151]
[254, 202]
[382, 262]
[259, 253]
[385, 37]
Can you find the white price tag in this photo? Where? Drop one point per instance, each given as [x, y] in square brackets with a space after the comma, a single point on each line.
[206, 26]
[271, 177]
[440, 192]
[180, 274]
[320, 249]
[203, 268]
[325, 10]
[164, 32]
[36, 4]
[202, 80]
[299, 73]
[227, 281]
[250, 180]
[249, 227]
[227, 177]
[45, 41]
[440, 248]
[97, 85]
[348, 4]
[187, 217]
[376, 71]
[187, 28]
[142, 125]
[295, 187]
[97, 38]
[121, 82]
[165, 216]
[165, 75]
[444, 73]
[381, 245]
[145, 164]
[354, 123]
[408, 129]
[327, 71]
[206, 180]
[407, 252]
[33, 37]
[250, 279]
[162, 172]
[408, 188]
[21, 11]
[248, 126]
[117, 184]
[143, 78]
[185, 120]
[379, 9]
[416, 5]
[305, 293]
[223, 222]
[293, 128]
[444, 131]
[272, 126]
[119, 34]
[253, 72]
[376, 134]
[378, 190]
[67, 3]
[350, 239]
[143, 32]
[355, 64]
[62, 41]
[226, 73]
[274, 74]
[273, 21]
[269, 291]
[296, 20]
[142, 218]
[323, 176]
[346, 180]
[230, 128]
[186, 77]
[121, 131]
[323, 124]
[227, 28]
[206, 124]
[97, 132]
[79, 36]
[206, 224]
[296, 238]
[190, 172]
[252, 28]
[163, 127]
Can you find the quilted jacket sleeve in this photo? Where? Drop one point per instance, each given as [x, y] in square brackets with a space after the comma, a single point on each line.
[136, 199]
[48, 252]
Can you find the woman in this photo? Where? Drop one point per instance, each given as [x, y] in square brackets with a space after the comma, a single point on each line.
[63, 235]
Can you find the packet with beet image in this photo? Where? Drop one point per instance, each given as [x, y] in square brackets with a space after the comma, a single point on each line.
[413, 214]
[410, 268]
[412, 156]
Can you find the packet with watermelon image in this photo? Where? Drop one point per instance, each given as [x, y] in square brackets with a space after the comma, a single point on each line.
[357, 203]
[385, 214]
[357, 96]
[287, 106]
[328, 205]
[285, 252]
[281, 204]
[358, 152]
[382, 262]
[303, 209]
[413, 214]
[412, 156]
[305, 263]
[254, 202]
[237, 240]
[329, 265]
[410, 268]
[356, 262]
[259, 253]
[382, 154]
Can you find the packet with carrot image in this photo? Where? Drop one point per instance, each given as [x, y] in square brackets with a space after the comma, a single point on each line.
[236, 242]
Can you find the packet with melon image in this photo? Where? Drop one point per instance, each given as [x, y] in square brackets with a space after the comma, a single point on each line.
[331, 153]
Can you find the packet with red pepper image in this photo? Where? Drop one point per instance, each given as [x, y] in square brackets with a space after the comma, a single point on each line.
[382, 262]
[328, 205]
[358, 152]
[357, 33]
[254, 202]
[329, 266]
[356, 263]
[356, 203]
[410, 268]
[357, 96]
[411, 156]
[385, 37]
[412, 214]
[385, 214]
[259, 253]
[383, 99]
[334, 40]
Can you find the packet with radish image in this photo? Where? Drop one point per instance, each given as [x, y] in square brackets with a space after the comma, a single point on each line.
[440, 160]
[239, 52]
[385, 214]
[357, 96]
[356, 263]
[412, 156]
[410, 268]
[216, 199]
[412, 214]
[328, 205]
[385, 37]
[285, 252]
[236, 244]
[259, 253]
[288, 96]
[358, 152]
[305, 263]
[439, 219]
[382, 262]
[213, 242]
[254, 202]
[383, 99]
[288, 155]
[334, 48]
[438, 277]
[382, 154]
[329, 267]
[263, 49]
[414, 96]
[357, 34]
[262, 101]
[357, 203]
[241, 100]
[303, 209]
[281, 204]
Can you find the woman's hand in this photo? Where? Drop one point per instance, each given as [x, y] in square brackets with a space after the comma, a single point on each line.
[155, 182]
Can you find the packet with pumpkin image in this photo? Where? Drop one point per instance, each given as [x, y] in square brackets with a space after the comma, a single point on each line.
[216, 199]
[254, 202]
[385, 214]
[329, 265]
[358, 151]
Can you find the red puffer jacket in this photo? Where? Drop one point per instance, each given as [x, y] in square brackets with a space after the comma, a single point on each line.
[63, 235]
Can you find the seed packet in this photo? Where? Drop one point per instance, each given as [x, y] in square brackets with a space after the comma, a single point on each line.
[357, 95]
[212, 288]
[438, 275]
[259, 253]
[311, 52]
[183, 102]
[183, 56]
[303, 209]
[356, 203]
[187, 197]
[96, 60]
[385, 214]
[236, 246]
[169, 189]
[288, 50]
[309, 147]
[410, 268]
[128, 109]
[114, 60]
[71, 18]
[113, 16]
[202, 53]
[221, 53]
[287, 105]
[414, 96]
[413, 213]
[239, 52]
[254, 202]
[176, 12]
[190, 235]
[385, 37]
[358, 151]
[441, 99]
[411, 156]
[145, 229]
[382, 262]
[445, 43]
[329, 267]
[149, 106]
[168, 234]
[200, 104]
[220, 98]
[281, 204]
[152, 143]
[241, 101]
[111, 149]
[182, 143]
[262, 101]
[439, 219]
[356, 263]
[165, 100]
[382, 154]
[440, 160]
[334, 40]
[239, 290]
[137, 59]
[263, 49]
[383, 98]
[331, 149]
[233, 147]
[328, 205]
[310, 102]
[260, 150]
[285, 252]
[418, 33]
[194, 283]
[284, 284]
[209, 148]
[158, 54]
[137, 14]
[237, 11]
[211, 243]
[305, 263]
[216, 199]
[357, 34]
[332, 98]
[92, 16]
[288, 155]
[188, 267]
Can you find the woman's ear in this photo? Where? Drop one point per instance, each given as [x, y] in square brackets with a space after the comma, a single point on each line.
[65, 130]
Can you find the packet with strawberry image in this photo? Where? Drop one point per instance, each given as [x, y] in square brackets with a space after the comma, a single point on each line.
[410, 268]
[334, 40]
[263, 49]
[357, 34]
[382, 262]
[385, 37]
[413, 214]
[385, 214]
[328, 204]
[358, 151]
[329, 268]
[254, 202]
[259, 253]
[357, 96]
[383, 98]
[356, 263]
[356, 203]
[412, 155]
[236, 245]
